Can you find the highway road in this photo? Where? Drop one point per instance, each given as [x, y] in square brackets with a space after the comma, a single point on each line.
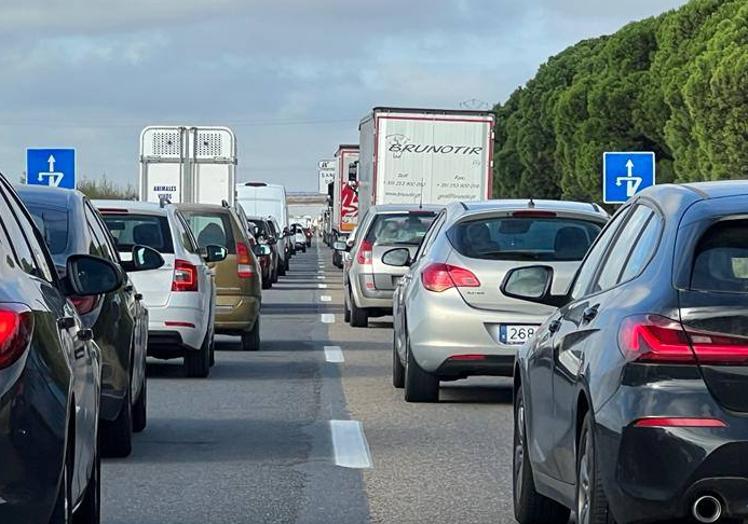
[310, 429]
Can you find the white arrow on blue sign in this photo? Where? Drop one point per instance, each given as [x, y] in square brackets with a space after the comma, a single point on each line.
[51, 167]
[625, 174]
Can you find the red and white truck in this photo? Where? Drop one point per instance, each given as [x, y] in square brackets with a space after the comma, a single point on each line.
[426, 156]
[345, 192]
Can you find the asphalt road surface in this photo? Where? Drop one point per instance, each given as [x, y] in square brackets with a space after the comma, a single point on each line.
[310, 429]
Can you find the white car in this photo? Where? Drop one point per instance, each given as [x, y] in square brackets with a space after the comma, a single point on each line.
[181, 295]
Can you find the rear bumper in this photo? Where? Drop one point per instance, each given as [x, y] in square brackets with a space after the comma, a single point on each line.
[653, 474]
[442, 326]
[161, 319]
[367, 297]
[236, 314]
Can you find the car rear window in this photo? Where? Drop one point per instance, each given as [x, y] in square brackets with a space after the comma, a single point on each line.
[400, 229]
[53, 223]
[144, 230]
[212, 229]
[524, 238]
[262, 227]
[721, 258]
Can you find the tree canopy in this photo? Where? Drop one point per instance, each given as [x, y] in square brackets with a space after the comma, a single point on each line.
[676, 84]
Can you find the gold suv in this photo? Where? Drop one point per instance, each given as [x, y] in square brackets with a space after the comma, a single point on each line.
[238, 277]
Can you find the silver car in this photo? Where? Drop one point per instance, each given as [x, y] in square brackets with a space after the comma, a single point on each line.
[369, 283]
[450, 318]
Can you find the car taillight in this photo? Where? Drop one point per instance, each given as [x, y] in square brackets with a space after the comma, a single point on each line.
[83, 305]
[16, 327]
[364, 254]
[653, 338]
[441, 277]
[185, 276]
[244, 261]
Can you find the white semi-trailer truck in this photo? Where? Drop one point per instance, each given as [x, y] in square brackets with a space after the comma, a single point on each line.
[428, 156]
[187, 164]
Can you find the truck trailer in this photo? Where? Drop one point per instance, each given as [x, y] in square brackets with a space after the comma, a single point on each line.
[424, 156]
[187, 164]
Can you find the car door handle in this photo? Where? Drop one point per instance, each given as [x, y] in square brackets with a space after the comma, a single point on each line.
[589, 314]
[129, 288]
[554, 326]
[138, 296]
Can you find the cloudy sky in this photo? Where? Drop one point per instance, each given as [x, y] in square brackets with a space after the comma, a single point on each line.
[291, 77]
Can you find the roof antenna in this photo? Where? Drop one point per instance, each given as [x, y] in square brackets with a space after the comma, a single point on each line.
[531, 203]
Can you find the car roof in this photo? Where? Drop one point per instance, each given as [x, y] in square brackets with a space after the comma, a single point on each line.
[50, 196]
[394, 208]
[202, 207]
[541, 205]
[131, 206]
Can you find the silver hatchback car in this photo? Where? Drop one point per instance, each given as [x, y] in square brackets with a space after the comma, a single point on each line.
[451, 320]
[369, 283]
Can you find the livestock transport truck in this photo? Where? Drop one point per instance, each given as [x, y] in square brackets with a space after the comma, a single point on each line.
[424, 156]
[187, 164]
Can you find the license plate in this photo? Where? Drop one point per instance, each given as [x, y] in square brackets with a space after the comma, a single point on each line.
[516, 334]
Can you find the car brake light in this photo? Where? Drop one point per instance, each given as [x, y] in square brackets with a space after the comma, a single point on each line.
[16, 327]
[185, 276]
[244, 261]
[534, 214]
[441, 277]
[679, 422]
[83, 305]
[364, 254]
[653, 338]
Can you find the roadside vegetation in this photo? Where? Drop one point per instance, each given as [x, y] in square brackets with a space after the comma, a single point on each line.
[103, 188]
[674, 84]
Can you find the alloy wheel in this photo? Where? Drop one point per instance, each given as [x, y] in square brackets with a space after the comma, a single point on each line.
[519, 451]
[584, 483]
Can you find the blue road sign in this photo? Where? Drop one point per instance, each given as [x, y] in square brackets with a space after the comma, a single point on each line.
[625, 174]
[51, 167]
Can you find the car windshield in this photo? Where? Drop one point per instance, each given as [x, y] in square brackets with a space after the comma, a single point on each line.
[400, 229]
[212, 229]
[53, 223]
[144, 230]
[524, 238]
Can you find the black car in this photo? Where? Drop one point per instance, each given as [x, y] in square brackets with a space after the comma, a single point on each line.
[631, 402]
[263, 232]
[50, 372]
[71, 225]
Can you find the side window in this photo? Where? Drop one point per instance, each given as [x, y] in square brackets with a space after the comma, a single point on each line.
[594, 256]
[643, 250]
[101, 247]
[613, 266]
[14, 230]
[433, 232]
[185, 234]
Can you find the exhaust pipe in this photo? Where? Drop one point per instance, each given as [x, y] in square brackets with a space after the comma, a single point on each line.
[707, 509]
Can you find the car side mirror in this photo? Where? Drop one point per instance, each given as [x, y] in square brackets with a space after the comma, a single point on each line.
[144, 258]
[88, 275]
[532, 284]
[215, 253]
[399, 257]
[340, 246]
[262, 250]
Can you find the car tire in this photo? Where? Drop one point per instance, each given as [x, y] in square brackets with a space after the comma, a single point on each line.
[420, 385]
[197, 363]
[63, 509]
[530, 507]
[359, 316]
[139, 409]
[212, 350]
[398, 370]
[267, 283]
[346, 309]
[89, 510]
[116, 435]
[251, 339]
[286, 265]
[592, 504]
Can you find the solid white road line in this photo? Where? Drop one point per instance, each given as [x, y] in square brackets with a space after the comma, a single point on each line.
[327, 318]
[322, 286]
[349, 444]
[321, 277]
[325, 298]
[334, 354]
